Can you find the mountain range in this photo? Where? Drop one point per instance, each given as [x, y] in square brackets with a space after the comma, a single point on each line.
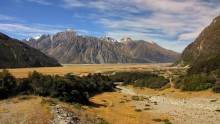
[69, 47]
[16, 54]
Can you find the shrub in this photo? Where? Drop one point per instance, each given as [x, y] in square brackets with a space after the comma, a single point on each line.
[157, 120]
[136, 98]
[216, 88]
[195, 83]
[7, 84]
[138, 110]
[140, 79]
[24, 87]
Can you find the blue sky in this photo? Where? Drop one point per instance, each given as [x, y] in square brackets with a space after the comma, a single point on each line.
[173, 24]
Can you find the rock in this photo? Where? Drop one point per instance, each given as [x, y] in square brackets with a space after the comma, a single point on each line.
[61, 116]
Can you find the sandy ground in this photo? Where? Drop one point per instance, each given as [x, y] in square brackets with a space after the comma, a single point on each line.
[186, 110]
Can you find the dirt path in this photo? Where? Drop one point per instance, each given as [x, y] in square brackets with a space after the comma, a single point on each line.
[198, 110]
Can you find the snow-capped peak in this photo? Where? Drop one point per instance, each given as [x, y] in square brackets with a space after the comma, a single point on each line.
[69, 29]
[28, 39]
[151, 42]
[126, 40]
[108, 39]
[37, 37]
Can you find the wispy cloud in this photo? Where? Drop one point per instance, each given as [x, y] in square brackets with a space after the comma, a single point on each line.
[167, 22]
[73, 3]
[8, 18]
[27, 31]
[43, 2]
[30, 30]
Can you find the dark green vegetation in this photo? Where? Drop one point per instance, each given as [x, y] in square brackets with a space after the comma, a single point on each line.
[15, 54]
[195, 83]
[72, 88]
[140, 79]
[67, 88]
[206, 67]
[200, 77]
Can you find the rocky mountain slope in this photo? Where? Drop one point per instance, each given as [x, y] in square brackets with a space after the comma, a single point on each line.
[68, 47]
[15, 54]
[204, 48]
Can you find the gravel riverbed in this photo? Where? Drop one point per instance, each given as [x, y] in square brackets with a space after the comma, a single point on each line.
[198, 110]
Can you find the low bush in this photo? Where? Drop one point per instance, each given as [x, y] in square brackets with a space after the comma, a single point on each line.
[216, 88]
[195, 83]
[7, 84]
[140, 79]
[157, 120]
[138, 110]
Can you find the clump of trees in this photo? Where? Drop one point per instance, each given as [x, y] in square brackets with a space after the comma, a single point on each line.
[140, 79]
[67, 88]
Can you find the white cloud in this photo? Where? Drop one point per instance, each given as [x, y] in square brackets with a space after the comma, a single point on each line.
[28, 31]
[175, 22]
[43, 2]
[73, 3]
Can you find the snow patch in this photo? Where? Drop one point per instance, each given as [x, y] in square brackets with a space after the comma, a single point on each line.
[151, 42]
[28, 39]
[51, 38]
[37, 37]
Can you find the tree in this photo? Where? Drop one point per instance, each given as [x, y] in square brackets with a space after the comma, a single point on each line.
[7, 84]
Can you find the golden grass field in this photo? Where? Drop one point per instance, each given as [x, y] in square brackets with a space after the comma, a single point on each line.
[115, 111]
[82, 69]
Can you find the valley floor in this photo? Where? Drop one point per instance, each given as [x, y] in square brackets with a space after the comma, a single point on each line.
[120, 107]
[153, 106]
[84, 69]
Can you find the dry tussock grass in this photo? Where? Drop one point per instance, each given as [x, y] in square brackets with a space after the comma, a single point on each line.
[84, 69]
[24, 110]
[175, 93]
[108, 107]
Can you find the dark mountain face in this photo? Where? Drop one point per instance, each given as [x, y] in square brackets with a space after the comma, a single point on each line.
[205, 47]
[68, 47]
[15, 54]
